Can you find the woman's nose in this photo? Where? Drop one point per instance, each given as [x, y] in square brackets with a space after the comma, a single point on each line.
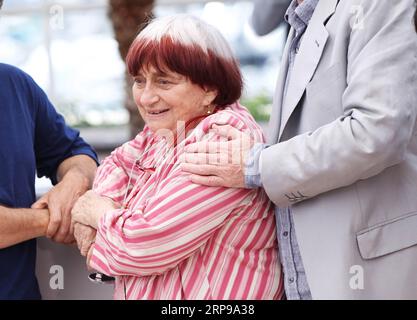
[148, 96]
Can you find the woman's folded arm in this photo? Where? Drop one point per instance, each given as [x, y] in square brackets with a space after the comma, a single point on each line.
[167, 230]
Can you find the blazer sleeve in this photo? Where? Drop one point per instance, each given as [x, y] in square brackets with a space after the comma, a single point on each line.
[379, 113]
[268, 14]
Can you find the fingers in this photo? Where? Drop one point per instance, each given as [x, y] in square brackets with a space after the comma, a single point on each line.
[217, 152]
[80, 211]
[205, 158]
[63, 233]
[227, 136]
[76, 209]
[77, 235]
[55, 219]
[221, 122]
[85, 248]
[42, 203]
[208, 146]
[85, 237]
[222, 159]
[69, 239]
[227, 131]
[210, 181]
[71, 230]
[89, 255]
[218, 163]
[87, 243]
[203, 170]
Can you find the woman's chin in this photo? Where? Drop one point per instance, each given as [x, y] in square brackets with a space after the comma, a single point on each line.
[160, 128]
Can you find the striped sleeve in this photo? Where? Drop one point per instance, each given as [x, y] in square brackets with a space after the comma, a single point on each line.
[166, 228]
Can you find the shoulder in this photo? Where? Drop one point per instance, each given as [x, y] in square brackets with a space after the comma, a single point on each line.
[138, 144]
[361, 13]
[8, 71]
[234, 115]
[21, 82]
[387, 22]
[19, 89]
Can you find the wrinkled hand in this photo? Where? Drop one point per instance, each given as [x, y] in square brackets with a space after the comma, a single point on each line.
[88, 259]
[85, 237]
[219, 163]
[59, 201]
[90, 208]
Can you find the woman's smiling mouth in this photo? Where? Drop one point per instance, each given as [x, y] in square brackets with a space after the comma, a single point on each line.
[157, 112]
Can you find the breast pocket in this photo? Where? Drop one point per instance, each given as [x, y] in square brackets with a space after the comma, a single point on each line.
[322, 103]
[388, 237]
[325, 91]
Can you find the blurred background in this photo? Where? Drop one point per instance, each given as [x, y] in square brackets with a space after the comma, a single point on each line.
[75, 49]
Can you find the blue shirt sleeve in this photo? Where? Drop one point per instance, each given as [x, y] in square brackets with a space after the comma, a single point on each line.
[252, 172]
[54, 140]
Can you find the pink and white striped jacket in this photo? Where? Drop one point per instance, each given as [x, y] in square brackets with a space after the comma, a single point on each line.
[177, 240]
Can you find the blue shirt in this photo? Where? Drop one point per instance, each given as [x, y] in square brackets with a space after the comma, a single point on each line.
[33, 139]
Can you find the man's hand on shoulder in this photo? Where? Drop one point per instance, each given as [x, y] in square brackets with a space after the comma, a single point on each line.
[219, 163]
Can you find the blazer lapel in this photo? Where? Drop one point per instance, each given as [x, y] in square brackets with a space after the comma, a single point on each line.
[275, 119]
[308, 58]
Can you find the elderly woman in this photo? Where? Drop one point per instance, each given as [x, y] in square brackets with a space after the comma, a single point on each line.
[160, 235]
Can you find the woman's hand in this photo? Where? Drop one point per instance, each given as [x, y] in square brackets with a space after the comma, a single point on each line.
[90, 208]
[88, 258]
[85, 237]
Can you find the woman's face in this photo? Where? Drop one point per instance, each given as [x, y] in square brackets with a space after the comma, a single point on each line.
[163, 99]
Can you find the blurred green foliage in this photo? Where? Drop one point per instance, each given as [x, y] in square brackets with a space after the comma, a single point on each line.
[259, 106]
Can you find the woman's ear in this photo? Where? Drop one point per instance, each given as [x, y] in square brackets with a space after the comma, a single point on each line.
[211, 95]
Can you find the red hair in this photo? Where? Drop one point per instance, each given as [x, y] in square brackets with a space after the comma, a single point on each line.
[207, 70]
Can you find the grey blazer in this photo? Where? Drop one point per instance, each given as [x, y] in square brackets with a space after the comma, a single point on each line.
[344, 149]
[268, 14]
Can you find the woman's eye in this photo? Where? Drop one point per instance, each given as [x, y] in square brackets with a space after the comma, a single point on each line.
[139, 81]
[163, 82]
